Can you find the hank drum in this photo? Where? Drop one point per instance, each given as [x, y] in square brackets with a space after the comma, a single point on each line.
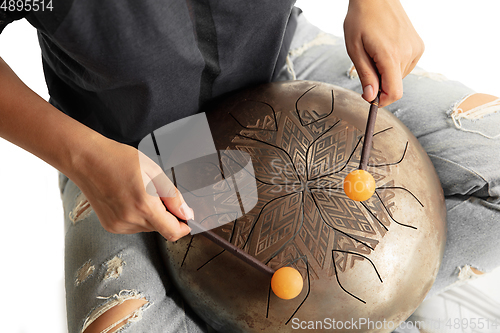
[275, 190]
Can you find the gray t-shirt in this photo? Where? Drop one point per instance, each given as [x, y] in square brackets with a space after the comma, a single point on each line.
[127, 67]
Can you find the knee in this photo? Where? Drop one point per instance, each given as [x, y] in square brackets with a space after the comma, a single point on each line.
[114, 315]
[474, 107]
[474, 101]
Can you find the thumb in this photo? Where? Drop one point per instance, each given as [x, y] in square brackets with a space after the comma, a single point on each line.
[171, 196]
[159, 185]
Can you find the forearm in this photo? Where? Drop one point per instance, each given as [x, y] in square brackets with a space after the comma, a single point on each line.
[33, 124]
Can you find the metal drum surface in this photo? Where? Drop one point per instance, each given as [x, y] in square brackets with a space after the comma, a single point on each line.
[366, 265]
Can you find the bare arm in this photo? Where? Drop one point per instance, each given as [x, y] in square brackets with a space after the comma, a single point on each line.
[108, 173]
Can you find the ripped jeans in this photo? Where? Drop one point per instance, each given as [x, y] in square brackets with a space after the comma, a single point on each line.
[104, 269]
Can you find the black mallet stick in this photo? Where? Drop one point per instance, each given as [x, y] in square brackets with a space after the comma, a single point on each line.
[370, 127]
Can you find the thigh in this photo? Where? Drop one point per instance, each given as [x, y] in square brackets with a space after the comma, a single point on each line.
[104, 269]
[466, 163]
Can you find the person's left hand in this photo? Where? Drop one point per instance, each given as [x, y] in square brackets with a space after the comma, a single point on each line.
[381, 42]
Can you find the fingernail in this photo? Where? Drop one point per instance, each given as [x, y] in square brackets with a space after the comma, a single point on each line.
[367, 92]
[186, 211]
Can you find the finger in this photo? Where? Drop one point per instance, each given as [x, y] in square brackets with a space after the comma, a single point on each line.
[391, 82]
[167, 224]
[409, 68]
[171, 197]
[155, 180]
[161, 186]
[148, 227]
[416, 54]
[367, 73]
[129, 228]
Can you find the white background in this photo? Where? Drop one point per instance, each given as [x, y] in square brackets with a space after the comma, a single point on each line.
[461, 38]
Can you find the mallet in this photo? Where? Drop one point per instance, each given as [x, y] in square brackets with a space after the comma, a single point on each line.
[359, 185]
[286, 282]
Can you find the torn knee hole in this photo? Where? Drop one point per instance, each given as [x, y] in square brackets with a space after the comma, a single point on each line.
[81, 210]
[473, 107]
[468, 272]
[473, 102]
[352, 73]
[114, 268]
[84, 272]
[115, 314]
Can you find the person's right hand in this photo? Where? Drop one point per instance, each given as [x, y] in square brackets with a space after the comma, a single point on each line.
[381, 41]
[114, 180]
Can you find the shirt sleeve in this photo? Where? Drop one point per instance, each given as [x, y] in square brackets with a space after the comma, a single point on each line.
[7, 17]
